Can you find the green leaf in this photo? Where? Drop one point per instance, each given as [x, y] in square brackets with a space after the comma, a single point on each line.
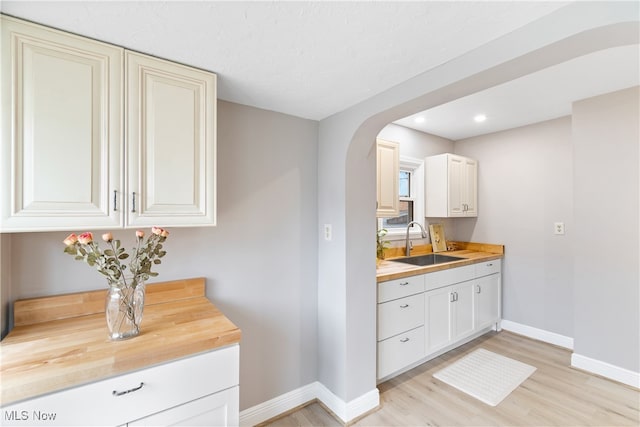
[109, 252]
[123, 256]
[157, 261]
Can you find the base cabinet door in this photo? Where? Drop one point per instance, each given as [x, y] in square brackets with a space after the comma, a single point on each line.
[438, 306]
[487, 300]
[462, 311]
[219, 409]
[449, 315]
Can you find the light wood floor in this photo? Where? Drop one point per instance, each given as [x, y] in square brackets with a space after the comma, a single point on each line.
[555, 395]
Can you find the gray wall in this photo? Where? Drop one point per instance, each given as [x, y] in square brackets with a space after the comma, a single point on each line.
[524, 186]
[606, 216]
[260, 262]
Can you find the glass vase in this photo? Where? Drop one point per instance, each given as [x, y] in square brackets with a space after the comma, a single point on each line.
[124, 308]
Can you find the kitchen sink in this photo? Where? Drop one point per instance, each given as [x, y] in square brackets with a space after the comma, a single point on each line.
[429, 259]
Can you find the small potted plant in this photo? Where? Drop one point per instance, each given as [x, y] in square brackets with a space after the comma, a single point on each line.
[381, 245]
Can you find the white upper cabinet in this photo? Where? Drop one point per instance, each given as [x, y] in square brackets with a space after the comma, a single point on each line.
[89, 142]
[451, 186]
[60, 160]
[171, 143]
[387, 178]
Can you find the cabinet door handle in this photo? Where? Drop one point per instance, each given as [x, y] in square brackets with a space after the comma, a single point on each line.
[131, 390]
[478, 289]
[133, 202]
[456, 294]
[490, 264]
[452, 297]
[404, 283]
[404, 306]
[404, 340]
[115, 200]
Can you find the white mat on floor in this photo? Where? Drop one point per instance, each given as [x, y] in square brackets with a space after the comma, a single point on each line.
[487, 376]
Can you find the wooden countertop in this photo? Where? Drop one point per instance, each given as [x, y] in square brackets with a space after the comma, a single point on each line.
[471, 252]
[60, 342]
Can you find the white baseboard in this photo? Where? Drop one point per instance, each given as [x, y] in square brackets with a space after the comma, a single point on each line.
[346, 411]
[606, 370]
[278, 405]
[538, 334]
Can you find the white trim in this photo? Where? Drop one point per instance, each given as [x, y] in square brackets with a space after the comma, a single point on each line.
[537, 334]
[278, 405]
[316, 390]
[606, 370]
[348, 411]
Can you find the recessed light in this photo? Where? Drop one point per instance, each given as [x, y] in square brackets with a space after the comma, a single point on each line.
[480, 118]
[419, 120]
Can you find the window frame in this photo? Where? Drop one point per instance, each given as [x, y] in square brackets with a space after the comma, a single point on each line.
[416, 189]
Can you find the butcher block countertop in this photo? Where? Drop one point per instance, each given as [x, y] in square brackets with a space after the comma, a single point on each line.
[61, 341]
[471, 252]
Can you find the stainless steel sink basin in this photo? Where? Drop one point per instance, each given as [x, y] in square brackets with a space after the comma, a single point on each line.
[429, 259]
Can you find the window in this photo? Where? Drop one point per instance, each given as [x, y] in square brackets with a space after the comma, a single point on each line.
[410, 191]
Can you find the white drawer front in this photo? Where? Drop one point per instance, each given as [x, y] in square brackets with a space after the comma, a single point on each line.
[394, 289]
[486, 268]
[400, 315]
[441, 278]
[400, 351]
[163, 386]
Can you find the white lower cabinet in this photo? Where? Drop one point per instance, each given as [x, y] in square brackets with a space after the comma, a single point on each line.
[197, 390]
[449, 315]
[214, 410]
[487, 296]
[456, 304]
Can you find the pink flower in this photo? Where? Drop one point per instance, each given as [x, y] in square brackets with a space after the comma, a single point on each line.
[157, 231]
[164, 233]
[85, 238]
[139, 234]
[107, 237]
[71, 239]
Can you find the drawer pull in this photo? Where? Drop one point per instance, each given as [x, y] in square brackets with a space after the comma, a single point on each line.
[404, 340]
[120, 393]
[404, 283]
[404, 306]
[490, 265]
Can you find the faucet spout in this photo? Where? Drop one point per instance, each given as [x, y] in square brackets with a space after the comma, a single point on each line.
[407, 243]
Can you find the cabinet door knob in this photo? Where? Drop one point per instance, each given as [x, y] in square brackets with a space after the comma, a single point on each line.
[131, 390]
[404, 340]
[404, 306]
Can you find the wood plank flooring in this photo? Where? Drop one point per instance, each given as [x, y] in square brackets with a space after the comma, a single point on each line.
[555, 395]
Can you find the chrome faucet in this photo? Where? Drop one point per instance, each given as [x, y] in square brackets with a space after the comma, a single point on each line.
[407, 243]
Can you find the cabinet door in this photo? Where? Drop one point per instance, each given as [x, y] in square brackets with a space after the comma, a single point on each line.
[387, 176]
[463, 318]
[457, 194]
[470, 187]
[171, 166]
[438, 313]
[487, 300]
[219, 409]
[61, 130]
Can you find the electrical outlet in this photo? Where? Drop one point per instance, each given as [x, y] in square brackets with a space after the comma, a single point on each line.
[558, 228]
[327, 232]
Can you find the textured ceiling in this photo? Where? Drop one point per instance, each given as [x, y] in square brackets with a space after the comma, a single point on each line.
[308, 59]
